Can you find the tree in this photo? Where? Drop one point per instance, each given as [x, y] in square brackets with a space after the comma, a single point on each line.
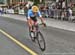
[37, 1]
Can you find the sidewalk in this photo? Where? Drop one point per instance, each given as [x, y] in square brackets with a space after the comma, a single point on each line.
[50, 22]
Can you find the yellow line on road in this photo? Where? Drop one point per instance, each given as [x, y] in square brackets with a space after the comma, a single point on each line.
[19, 43]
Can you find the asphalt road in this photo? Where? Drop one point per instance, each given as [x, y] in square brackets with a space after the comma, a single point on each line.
[8, 47]
[58, 42]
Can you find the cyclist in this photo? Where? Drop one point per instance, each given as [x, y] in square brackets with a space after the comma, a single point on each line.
[31, 17]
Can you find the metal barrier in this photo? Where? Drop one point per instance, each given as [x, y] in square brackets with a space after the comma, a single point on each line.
[57, 14]
[54, 14]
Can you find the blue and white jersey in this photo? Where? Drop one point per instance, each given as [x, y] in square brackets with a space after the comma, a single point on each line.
[31, 14]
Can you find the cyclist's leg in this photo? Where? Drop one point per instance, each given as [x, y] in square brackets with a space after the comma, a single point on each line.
[33, 22]
[36, 25]
[30, 23]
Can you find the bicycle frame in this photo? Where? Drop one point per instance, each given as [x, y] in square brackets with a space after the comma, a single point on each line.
[38, 35]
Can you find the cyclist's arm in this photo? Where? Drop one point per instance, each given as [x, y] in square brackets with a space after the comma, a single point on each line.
[28, 15]
[28, 18]
[42, 19]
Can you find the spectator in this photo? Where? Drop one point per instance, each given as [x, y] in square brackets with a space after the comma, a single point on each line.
[63, 4]
[70, 14]
[63, 10]
[1, 10]
[46, 11]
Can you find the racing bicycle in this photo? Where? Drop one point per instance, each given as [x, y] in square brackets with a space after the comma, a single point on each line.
[38, 36]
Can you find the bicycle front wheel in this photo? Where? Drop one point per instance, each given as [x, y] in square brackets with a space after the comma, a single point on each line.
[41, 41]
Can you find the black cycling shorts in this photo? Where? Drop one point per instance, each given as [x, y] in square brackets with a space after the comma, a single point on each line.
[34, 19]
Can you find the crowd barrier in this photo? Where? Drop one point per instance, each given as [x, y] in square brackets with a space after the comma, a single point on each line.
[58, 14]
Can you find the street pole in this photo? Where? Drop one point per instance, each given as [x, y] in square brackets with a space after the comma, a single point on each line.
[66, 10]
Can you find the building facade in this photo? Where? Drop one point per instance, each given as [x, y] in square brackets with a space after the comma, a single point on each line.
[16, 1]
[9, 2]
[3, 2]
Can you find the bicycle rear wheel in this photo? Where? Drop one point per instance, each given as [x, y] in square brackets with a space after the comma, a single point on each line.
[41, 41]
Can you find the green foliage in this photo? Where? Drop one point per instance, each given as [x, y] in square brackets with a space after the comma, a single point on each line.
[36, 2]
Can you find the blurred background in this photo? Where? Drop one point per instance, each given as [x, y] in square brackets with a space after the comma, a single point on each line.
[57, 9]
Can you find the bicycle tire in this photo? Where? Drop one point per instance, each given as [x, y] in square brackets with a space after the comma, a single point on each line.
[39, 35]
